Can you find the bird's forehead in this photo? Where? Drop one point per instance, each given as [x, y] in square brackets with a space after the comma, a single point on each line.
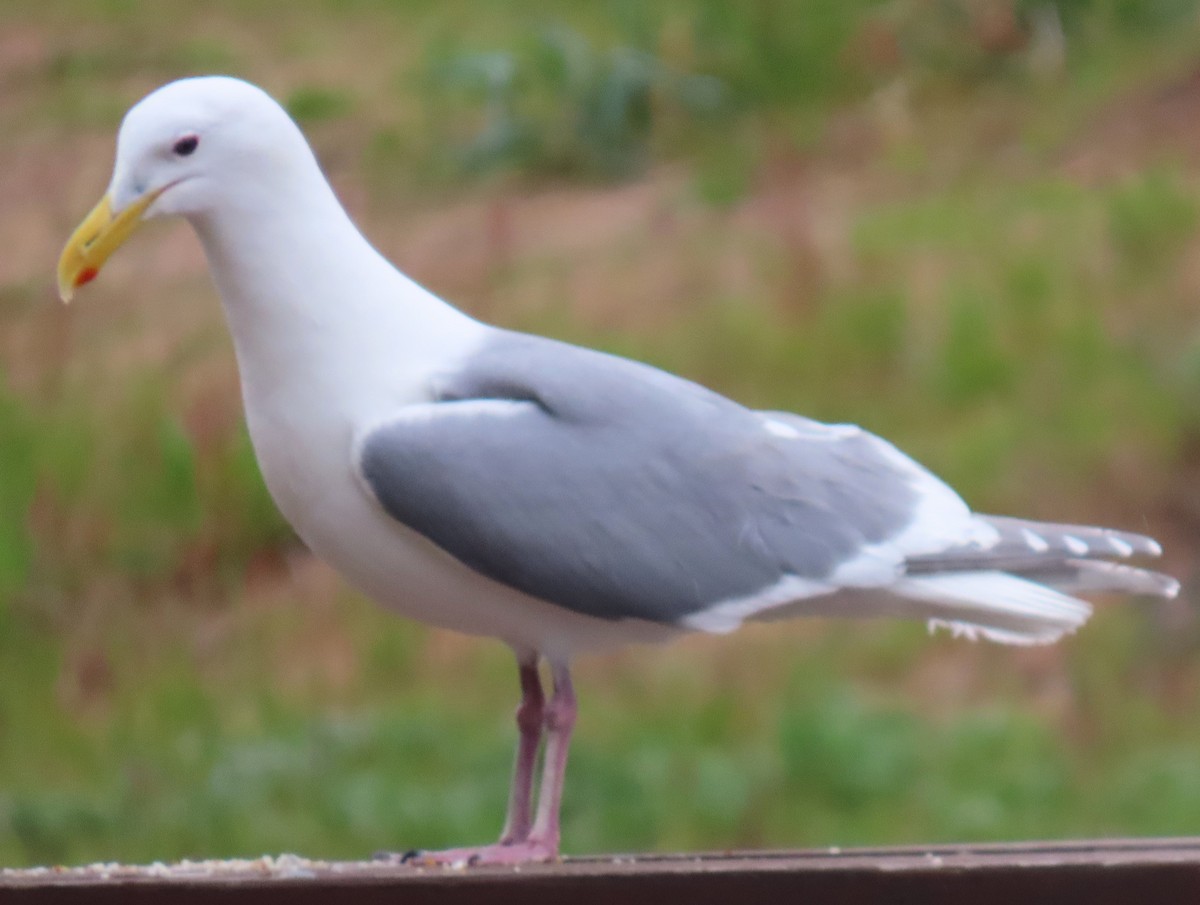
[190, 104]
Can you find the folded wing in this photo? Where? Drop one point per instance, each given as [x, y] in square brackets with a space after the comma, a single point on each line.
[619, 491]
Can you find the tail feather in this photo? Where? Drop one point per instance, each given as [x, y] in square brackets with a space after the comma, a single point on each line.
[992, 605]
[998, 606]
[1014, 590]
[1020, 583]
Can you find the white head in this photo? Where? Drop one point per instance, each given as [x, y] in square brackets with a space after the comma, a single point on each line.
[177, 139]
[190, 148]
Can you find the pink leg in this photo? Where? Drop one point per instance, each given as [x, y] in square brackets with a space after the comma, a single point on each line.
[521, 843]
[560, 720]
[530, 716]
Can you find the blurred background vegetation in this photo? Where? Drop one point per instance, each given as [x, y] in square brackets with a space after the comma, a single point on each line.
[970, 225]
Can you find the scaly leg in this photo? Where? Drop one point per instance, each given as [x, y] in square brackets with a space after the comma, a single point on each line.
[530, 719]
[560, 720]
[520, 842]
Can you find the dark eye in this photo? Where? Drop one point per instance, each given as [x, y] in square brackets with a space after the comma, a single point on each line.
[186, 145]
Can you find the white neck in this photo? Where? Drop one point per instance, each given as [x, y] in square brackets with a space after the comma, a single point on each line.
[308, 298]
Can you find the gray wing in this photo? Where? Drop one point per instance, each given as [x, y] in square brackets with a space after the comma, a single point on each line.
[617, 490]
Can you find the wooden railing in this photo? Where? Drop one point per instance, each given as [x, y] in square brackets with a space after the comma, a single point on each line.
[1092, 872]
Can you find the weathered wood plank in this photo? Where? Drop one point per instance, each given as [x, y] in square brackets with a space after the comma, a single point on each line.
[1095, 872]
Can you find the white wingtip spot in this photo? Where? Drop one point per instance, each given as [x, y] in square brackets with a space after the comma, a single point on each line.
[1034, 541]
[1123, 548]
[1153, 547]
[1075, 545]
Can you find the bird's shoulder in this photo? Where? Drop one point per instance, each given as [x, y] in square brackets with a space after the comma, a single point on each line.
[574, 382]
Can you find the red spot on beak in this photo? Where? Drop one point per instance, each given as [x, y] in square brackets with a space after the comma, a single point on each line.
[86, 275]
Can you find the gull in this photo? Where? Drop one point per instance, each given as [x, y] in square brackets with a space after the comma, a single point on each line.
[560, 499]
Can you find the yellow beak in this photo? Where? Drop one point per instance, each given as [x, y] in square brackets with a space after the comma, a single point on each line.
[100, 234]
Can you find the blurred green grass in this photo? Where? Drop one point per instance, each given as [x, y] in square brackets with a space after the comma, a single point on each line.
[915, 245]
